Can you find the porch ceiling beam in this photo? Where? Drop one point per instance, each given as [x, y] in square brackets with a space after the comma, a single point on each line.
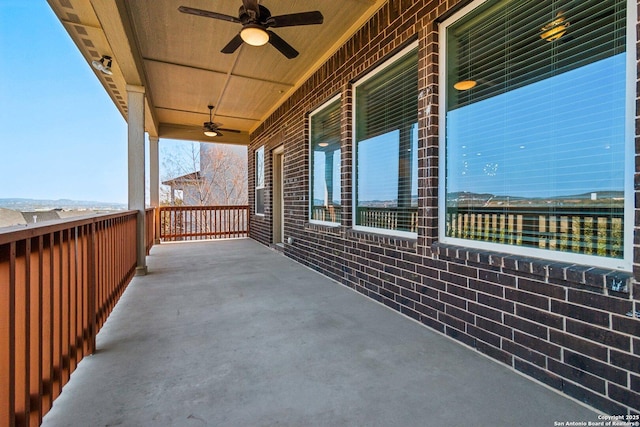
[222, 73]
[205, 114]
[194, 133]
[116, 25]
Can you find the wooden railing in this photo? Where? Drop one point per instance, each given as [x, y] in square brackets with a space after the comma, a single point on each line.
[589, 230]
[401, 219]
[58, 284]
[327, 213]
[150, 228]
[203, 222]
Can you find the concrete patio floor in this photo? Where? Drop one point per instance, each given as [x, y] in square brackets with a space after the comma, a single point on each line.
[231, 333]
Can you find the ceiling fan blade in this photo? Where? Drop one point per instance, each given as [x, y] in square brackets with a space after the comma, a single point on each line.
[233, 45]
[219, 133]
[293, 19]
[207, 14]
[285, 48]
[230, 130]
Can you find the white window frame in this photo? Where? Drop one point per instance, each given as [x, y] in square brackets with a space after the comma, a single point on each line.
[625, 263]
[257, 187]
[354, 165]
[316, 111]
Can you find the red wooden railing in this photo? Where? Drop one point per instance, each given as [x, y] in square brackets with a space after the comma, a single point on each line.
[58, 284]
[203, 222]
[150, 225]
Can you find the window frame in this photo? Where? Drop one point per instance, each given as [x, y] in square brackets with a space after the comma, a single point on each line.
[354, 165]
[318, 110]
[256, 186]
[625, 263]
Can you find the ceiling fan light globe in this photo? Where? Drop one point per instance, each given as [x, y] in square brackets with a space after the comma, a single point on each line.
[210, 133]
[254, 35]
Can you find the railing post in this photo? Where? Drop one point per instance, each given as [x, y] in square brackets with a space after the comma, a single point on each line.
[91, 288]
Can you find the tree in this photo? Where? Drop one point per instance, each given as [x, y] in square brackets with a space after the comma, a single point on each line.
[206, 174]
[224, 170]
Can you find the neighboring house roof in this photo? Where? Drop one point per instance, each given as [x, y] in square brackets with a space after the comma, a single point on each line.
[40, 216]
[75, 213]
[9, 217]
[184, 179]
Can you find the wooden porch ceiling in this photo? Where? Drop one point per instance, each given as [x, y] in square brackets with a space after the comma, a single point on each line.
[177, 58]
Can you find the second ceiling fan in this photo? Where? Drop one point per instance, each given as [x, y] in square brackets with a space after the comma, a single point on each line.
[255, 20]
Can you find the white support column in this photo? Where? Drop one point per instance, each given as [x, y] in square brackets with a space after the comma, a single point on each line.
[135, 121]
[154, 182]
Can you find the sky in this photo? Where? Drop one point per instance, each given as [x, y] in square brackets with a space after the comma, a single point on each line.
[61, 136]
[560, 136]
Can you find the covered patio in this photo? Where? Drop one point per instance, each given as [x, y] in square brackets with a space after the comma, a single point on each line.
[233, 333]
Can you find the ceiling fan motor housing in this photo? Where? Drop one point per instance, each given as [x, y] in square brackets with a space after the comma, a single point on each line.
[248, 16]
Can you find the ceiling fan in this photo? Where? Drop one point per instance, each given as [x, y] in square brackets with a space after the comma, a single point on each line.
[213, 129]
[255, 20]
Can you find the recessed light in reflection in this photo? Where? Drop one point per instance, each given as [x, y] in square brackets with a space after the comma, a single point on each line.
[465, 85]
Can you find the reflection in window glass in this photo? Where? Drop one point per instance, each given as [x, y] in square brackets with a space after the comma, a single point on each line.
[325, 164]
[387, 147]
[259, 180]
[535, 125]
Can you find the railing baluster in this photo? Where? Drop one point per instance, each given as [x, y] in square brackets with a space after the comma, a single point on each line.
[203, 222]
[58, 278]
[8, 334]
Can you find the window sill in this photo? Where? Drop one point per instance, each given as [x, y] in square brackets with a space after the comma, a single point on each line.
[384, 239]
[595, 279]
[325, 228]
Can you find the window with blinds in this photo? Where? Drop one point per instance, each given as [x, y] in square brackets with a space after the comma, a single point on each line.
[386, 168]
[325, 163]
[259, 180]
[535, 99]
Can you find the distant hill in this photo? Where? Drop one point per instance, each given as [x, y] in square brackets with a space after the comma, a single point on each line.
[23, 205]
[595, 198]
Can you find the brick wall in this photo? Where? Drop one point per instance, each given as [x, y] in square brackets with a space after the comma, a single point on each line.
[571, 327]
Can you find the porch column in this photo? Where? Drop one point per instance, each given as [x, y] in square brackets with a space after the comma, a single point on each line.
[135, 121]
[154, 182]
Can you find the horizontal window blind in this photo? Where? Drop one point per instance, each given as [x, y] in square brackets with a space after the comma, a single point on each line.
[325, 164]
[535, 151]
[386, 147]
[389, 100]
[502, 47]
[325, 126]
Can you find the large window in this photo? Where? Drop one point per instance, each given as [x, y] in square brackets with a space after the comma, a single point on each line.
[325, 163]
[259, 180]
[386, 167]
[535, 103]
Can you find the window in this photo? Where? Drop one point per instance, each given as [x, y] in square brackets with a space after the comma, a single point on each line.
[325, 163]
[536, 109]
[386, 167]
[260, 181]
